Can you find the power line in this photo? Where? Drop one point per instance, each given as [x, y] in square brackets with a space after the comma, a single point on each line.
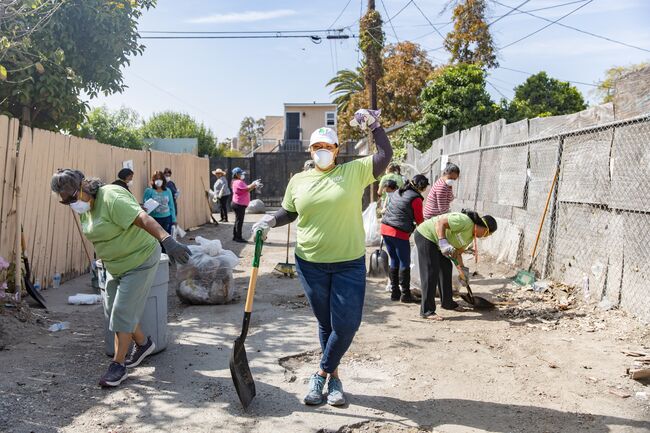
[497, 89]
[516, 8]
[428, 20]
[577, 29]
[530, 74]
[390, 21]
[242, 32]
[339, 16]
[546, 26]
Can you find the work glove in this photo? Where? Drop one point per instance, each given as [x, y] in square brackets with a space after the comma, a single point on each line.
[265, 224]
[445, 248]
[176, 251]
[463, 274]
[366, 119]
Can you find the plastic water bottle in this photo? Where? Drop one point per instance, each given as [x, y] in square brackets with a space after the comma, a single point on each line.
[59, 326]
[56, 280]
[37, 285]
[585, 287]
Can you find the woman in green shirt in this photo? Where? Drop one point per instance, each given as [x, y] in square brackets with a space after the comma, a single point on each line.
[126, 240]
[330, 247]
[438, 239]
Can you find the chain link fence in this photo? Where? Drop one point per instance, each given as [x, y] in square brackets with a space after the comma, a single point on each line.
[596, 231]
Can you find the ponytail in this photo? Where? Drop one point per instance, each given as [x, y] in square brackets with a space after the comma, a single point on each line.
[486, 221]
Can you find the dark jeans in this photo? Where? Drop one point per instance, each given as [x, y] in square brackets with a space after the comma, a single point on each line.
[165, 223]
[399, 251]
[240, 211]
[223, 207]
[335, 292]
[435, 271]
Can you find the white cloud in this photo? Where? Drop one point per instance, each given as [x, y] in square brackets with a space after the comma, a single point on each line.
[243, 17]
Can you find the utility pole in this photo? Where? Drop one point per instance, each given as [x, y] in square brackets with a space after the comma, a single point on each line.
[373, 79]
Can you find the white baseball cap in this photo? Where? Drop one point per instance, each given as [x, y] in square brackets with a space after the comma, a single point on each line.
[324, 135]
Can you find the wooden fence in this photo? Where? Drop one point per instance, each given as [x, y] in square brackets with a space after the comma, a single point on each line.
[53, 243]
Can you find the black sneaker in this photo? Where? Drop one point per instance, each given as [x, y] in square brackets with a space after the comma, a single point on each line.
[115, 375]
[241, 240]
[139, 353]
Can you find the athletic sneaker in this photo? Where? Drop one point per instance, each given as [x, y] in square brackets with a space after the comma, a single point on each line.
[115, 375]
[139, 353]
[315, 394]
[335, 395]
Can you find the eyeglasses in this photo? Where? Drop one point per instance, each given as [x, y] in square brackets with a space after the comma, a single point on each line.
[73, 198]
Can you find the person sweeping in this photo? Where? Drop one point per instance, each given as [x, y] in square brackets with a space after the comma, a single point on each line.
[126, 239]
[330, 247]
[438, 240]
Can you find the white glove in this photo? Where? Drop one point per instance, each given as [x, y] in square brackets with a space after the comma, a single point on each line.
[445, 248]
[366, 119]
[265, 224]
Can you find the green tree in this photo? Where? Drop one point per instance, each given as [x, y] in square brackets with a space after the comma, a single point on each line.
[119, 127]
[606, 87]
[541, 96]
[53, 51]
[249, 132]
[171, 124]
[456, 98]
[346, 83]
[470, 41]
[406, 70]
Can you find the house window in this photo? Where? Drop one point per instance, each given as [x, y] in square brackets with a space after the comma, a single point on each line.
[330, 118]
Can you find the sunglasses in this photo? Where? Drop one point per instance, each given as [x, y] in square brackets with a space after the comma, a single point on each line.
[72, 199]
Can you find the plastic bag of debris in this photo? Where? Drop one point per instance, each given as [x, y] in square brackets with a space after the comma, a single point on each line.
[256, 206]
[207, 276]
[371, 225]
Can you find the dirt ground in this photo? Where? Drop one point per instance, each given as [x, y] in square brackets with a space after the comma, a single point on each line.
[541, 363]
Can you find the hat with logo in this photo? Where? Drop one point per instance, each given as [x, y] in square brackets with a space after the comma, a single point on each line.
[324, 135]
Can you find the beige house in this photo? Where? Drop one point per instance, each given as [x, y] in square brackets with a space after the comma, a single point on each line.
[291, 132]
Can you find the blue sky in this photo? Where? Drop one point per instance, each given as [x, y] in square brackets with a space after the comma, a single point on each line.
[221, 81]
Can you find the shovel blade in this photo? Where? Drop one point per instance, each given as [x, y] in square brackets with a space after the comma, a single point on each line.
[477, 302]
[241, 373]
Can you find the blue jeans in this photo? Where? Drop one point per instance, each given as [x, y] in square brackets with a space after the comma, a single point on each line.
[399, 251]
[335, 292]
[165, 223]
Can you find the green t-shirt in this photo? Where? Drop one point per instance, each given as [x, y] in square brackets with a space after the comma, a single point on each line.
[330, 227]
[109, 226]
[459, 234]
[390, 176]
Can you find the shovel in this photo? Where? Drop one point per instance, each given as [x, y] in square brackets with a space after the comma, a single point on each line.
[475, 301]
[287, 269]
[239, 369]
[379, 262]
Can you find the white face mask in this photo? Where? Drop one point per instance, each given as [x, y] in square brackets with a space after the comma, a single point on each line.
[168, 178]
[129, 183]
[323, 158]
[242, 177]
[80, 206]
[158, 182]
[451, 182]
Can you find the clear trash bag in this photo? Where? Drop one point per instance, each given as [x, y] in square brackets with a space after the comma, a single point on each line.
[207, 276]
[371, 225]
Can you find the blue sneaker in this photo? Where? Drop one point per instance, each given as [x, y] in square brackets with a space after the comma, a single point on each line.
[315, 394]
[335, 395]
[139, 353]
[115, 375]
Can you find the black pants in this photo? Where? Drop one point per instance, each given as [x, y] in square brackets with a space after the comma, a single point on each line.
[223, 207]
[240, 211]
[435, 271]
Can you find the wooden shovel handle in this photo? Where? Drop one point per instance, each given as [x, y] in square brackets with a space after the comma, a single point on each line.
[252, 283]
